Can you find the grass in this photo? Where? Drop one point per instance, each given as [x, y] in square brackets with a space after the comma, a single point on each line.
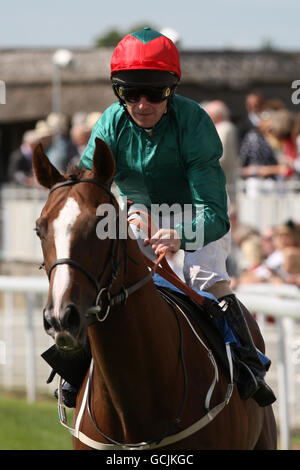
[295, 442]
[35, 426]
[31, 426]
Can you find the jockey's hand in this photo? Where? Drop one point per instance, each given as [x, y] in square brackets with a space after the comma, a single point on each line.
[163, 241]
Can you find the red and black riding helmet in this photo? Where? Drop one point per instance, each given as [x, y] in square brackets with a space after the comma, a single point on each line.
[145, 58]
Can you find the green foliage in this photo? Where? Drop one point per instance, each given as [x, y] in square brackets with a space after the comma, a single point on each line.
[112, 36]
[268, 44]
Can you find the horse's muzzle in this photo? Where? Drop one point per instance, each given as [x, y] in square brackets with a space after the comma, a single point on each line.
[67, 330]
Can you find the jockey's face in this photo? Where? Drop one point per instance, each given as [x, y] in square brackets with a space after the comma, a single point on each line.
[145, 113]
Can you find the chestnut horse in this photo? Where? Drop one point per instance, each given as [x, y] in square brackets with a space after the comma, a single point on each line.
[152, 376]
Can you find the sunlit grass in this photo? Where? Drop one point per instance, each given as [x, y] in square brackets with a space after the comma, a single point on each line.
[35, 426]
[31, 426]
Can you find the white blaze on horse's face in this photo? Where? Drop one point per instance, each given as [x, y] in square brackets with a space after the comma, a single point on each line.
[62, 237]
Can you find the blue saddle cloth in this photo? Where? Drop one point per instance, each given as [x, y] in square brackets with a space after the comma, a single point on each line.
[222, 323]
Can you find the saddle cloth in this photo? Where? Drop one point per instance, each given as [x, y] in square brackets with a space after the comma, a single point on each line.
[216, 331]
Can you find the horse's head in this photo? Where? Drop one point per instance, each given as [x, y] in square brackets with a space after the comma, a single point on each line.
[72, 255]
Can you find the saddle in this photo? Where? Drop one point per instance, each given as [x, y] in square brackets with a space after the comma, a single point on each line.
[208, 325]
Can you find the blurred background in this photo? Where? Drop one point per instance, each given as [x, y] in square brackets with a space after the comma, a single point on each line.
[242, 64]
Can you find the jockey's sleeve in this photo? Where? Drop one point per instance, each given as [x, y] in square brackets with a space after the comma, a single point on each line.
[202, 149]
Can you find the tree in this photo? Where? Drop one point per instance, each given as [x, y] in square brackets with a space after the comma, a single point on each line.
[268, 44]
[113, 35]
[111, 38]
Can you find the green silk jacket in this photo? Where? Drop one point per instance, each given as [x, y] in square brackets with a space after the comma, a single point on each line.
[177, 163]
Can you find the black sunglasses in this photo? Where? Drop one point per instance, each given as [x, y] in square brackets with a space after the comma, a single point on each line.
[133, 94]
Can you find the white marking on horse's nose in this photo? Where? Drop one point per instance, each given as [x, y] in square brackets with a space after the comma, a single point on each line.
[63, 225]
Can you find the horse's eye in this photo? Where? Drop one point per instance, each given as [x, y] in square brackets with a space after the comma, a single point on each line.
[37, 231]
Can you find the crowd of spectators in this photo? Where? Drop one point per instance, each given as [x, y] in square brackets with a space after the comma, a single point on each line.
[264, 144]
[63, 141]
[270, 256]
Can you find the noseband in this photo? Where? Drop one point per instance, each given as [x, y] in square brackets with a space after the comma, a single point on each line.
[104, 299]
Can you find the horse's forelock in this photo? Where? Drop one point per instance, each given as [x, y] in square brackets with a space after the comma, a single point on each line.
[74, 173]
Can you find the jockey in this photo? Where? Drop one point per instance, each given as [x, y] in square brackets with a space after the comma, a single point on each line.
[167, 151]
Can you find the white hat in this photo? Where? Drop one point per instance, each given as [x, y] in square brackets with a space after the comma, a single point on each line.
[93, 118]
[57, 122]
[42, 129]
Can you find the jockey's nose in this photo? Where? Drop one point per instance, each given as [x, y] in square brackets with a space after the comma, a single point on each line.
[143, 101]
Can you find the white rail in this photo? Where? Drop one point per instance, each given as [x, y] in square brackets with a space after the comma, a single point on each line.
[260, 203]
[29, 287]
[282, 303]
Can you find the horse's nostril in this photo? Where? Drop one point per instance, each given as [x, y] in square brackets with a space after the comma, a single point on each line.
[71, 318]
[48, 324]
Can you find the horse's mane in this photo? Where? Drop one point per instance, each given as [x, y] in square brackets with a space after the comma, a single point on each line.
[73, 172]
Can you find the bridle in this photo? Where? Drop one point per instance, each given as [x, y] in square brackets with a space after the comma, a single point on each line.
[104, 300]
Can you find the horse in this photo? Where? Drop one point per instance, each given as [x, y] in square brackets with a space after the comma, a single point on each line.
[153, 382]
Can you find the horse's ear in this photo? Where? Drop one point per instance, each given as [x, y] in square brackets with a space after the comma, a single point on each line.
[45, 173]
[103, 162]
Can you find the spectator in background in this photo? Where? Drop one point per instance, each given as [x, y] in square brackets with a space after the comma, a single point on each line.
[290, 272]
[92, 118]
[44, 134]
[277, 266]
[286, 235]
[296, 131]
[82, 125]
[296, 136]
[239, 260]
[257, 155]
[281, 138]
[267, 242]
[61, 150]
[80, 134]
[219, 113]
[20, 161]
[254, 107]
[252, 251]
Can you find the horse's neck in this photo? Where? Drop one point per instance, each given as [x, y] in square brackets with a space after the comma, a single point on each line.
[135, 352]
